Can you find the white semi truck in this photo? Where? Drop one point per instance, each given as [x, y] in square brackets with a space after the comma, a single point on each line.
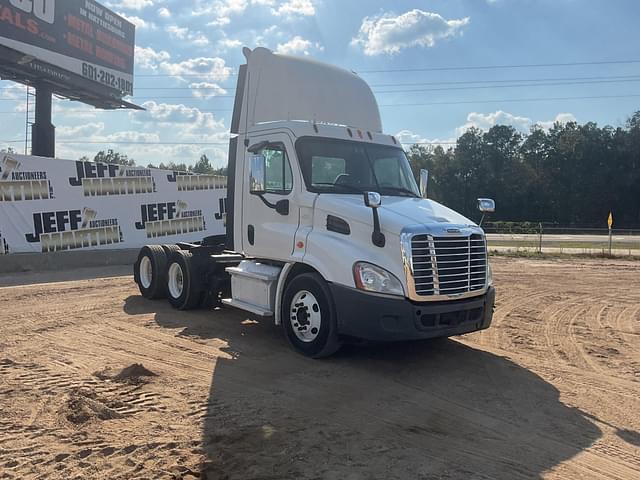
[326, 229]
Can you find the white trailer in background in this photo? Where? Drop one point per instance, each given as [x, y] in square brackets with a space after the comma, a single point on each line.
[327, 231]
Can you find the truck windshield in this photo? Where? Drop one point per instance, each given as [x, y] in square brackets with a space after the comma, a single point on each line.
[342, 166]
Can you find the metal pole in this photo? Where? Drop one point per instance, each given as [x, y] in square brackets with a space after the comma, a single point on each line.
[540, 240]
[43, 133]
[26, 125]
[610, 241]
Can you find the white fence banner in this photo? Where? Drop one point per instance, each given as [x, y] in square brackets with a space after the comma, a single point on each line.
[50, 205]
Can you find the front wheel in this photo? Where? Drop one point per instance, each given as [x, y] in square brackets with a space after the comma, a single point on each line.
[308, 316]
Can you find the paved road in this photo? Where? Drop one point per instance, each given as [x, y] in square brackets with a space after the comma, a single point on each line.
[626, 239]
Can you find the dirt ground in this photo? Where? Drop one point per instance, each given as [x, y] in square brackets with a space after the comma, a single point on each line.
[96, 382]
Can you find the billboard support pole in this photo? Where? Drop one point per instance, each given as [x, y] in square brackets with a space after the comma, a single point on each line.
[43, 133]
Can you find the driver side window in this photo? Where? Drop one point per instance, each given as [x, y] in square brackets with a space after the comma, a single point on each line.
[278, 175]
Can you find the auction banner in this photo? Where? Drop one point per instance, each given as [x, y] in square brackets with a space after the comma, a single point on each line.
[79, 36]
[51, 205]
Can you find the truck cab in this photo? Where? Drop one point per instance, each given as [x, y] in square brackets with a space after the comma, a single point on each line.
[327, 230]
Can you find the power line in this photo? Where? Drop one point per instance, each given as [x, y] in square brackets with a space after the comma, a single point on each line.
[404, 91]
[476, 87]
[444, 89]
[424, 69]
[414, 84]
[87, 142]
[498, 67]
[462, 102]
[510, 100]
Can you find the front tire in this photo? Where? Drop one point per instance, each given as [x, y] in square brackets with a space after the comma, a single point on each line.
[149, 272]
[184, 287]
[308, 316]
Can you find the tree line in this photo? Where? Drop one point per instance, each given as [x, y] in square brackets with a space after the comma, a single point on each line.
[571, 174]
[202, 166]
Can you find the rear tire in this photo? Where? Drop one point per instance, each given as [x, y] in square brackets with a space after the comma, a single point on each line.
[184, 286]
[308, 316]
[169, 249]
[149, 272]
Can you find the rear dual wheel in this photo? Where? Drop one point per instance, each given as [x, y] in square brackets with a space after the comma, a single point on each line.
[184, 285]
[149, 271]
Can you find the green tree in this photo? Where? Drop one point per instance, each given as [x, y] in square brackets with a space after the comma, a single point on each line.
[202, 166]
[111, 156]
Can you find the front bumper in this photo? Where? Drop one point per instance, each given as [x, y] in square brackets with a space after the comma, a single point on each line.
[381, 318]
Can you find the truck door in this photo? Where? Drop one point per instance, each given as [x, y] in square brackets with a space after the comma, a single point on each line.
[270, 220]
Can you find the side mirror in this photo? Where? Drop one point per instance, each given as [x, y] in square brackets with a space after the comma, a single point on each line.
[486, 205]
[372, 199]
[257, 175]
[424, 181]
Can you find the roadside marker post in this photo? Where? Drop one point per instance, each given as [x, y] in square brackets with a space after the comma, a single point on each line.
[610, 223]
[540, 239]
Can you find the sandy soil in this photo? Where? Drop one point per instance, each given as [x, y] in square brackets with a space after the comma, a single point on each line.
[96, 382]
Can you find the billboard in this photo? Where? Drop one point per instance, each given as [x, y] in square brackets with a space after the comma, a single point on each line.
[51, 205]
[68, 40]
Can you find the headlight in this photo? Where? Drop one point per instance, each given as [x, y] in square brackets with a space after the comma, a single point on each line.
[489, 274]
[375, 279]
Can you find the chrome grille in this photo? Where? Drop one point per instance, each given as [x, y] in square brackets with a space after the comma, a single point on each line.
[448, 265]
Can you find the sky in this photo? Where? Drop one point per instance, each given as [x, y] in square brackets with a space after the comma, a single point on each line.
[437, 67]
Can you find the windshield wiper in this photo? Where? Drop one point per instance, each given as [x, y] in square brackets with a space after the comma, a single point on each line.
[344, 186]
[400, 190]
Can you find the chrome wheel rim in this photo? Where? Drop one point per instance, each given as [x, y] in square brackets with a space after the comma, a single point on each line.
[146, 272]
[176, 280]
[305, 316]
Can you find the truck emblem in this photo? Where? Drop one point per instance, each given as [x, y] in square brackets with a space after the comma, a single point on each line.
[453, 230]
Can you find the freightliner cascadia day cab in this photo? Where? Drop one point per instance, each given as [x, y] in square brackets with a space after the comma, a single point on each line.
[326, 229]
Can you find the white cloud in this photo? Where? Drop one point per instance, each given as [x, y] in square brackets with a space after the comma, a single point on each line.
[407, 138]
[147, 57]
[297, 45]
[226, 44]
[94, 133]
[131, 4]
[185, 34]
[390, 34]
[82, 132]
[190, 119]
[13, 91]
[164, 12]
[203, 67]
[522, 124]
[206, 90]
[292, 8]
[486, 121]
[138, 22]
[209, 68]
[561, 118]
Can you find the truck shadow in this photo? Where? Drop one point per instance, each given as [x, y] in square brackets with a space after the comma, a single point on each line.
[429, 409]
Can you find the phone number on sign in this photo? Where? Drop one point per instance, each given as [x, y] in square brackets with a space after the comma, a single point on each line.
[106, 78]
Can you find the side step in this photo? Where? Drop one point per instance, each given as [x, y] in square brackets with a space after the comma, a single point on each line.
[253, 287]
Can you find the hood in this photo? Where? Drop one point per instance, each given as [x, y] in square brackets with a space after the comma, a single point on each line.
[396, 213]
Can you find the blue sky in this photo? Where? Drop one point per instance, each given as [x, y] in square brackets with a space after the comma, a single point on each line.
[424, 59]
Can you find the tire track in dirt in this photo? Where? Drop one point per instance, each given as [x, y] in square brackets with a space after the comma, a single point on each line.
[229, 398]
